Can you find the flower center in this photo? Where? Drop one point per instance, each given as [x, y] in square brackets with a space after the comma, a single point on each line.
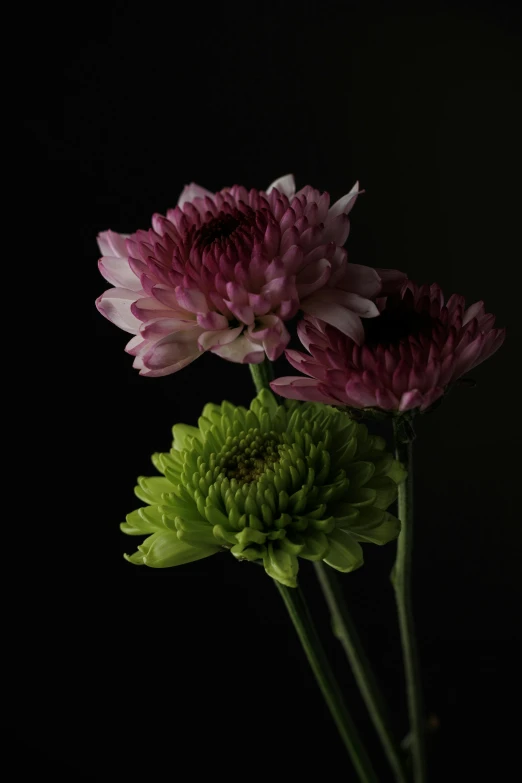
[397, 322]
[246, 456]
[220, 227]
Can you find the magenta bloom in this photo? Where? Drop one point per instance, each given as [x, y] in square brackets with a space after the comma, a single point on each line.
[411, 352]
[224, 271]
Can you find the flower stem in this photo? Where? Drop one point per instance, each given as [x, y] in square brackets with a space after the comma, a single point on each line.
[345, 631]
[402, 584]
[262, 374]
[300, 616]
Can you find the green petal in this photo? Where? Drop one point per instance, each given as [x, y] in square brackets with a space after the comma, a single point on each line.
[164, 550]
[195, 533]
[362, 497]
[359, 473]
[344, 554]
[145, 521]
[386, 490]
[281, 565]
[387, 531]
[183, 434]
[397, 472]
[151, 489]
[316, 546]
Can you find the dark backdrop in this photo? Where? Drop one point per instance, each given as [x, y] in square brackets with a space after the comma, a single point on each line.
[196, 671]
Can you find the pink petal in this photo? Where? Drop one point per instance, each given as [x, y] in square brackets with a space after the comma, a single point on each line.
[161, 327]
[172, 349]
[285, 185]
[242, 350]
[115, 304]
[191, 299]
[392, 280]
[118, 272]
[475, 311]
[344, 205]
[213, 339]
[212, 320]
[279, 289]
[136, 345]
[296, 388]
[411, 399]
[337, 229]
[359, 395]
[192, 191]
[243, 313]
[313, 277]
[362, 280]
[171, 368]
[236, 293]
[147, 307]
[112, 244]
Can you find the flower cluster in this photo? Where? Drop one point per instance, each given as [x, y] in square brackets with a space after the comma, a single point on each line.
[224, 271]
[414, 349]
[273, 483]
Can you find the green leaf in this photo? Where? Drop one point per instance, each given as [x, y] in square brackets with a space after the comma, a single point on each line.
[164, 550]
[344, 554]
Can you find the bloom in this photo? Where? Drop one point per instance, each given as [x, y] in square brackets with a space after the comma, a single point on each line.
[412, 351]
[271, 483]
[224, 271]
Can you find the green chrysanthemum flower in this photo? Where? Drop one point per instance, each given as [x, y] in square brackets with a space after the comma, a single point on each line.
[272, 483]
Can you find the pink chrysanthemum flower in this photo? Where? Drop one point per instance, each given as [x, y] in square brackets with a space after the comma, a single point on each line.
[224, 271]
[415, 348]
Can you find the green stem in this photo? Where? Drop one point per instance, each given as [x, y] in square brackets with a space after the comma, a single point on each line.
[262, 374]
[403, 597]
[300, 616]
[346, 632]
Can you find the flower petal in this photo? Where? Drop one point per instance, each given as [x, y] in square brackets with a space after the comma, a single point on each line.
[192, 191]
[212, 339]
[242, 350]
[115, 304]
[285, 185]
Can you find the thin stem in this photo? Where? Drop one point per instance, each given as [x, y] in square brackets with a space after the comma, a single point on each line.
[403, 597]
[346, 632]
[262, 374]
[300, 616]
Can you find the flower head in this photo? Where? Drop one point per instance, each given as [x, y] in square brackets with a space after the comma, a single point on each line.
[272, 483]
[412, 351]
[224, 271]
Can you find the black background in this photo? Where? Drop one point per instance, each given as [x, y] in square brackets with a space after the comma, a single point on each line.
[195, 671]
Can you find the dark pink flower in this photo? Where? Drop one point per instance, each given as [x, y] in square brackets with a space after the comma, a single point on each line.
[223, 272]
[412, 351]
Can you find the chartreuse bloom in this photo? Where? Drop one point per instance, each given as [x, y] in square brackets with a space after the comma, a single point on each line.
[273, 483]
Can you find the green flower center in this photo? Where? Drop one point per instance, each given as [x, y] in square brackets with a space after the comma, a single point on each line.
[246, 456]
